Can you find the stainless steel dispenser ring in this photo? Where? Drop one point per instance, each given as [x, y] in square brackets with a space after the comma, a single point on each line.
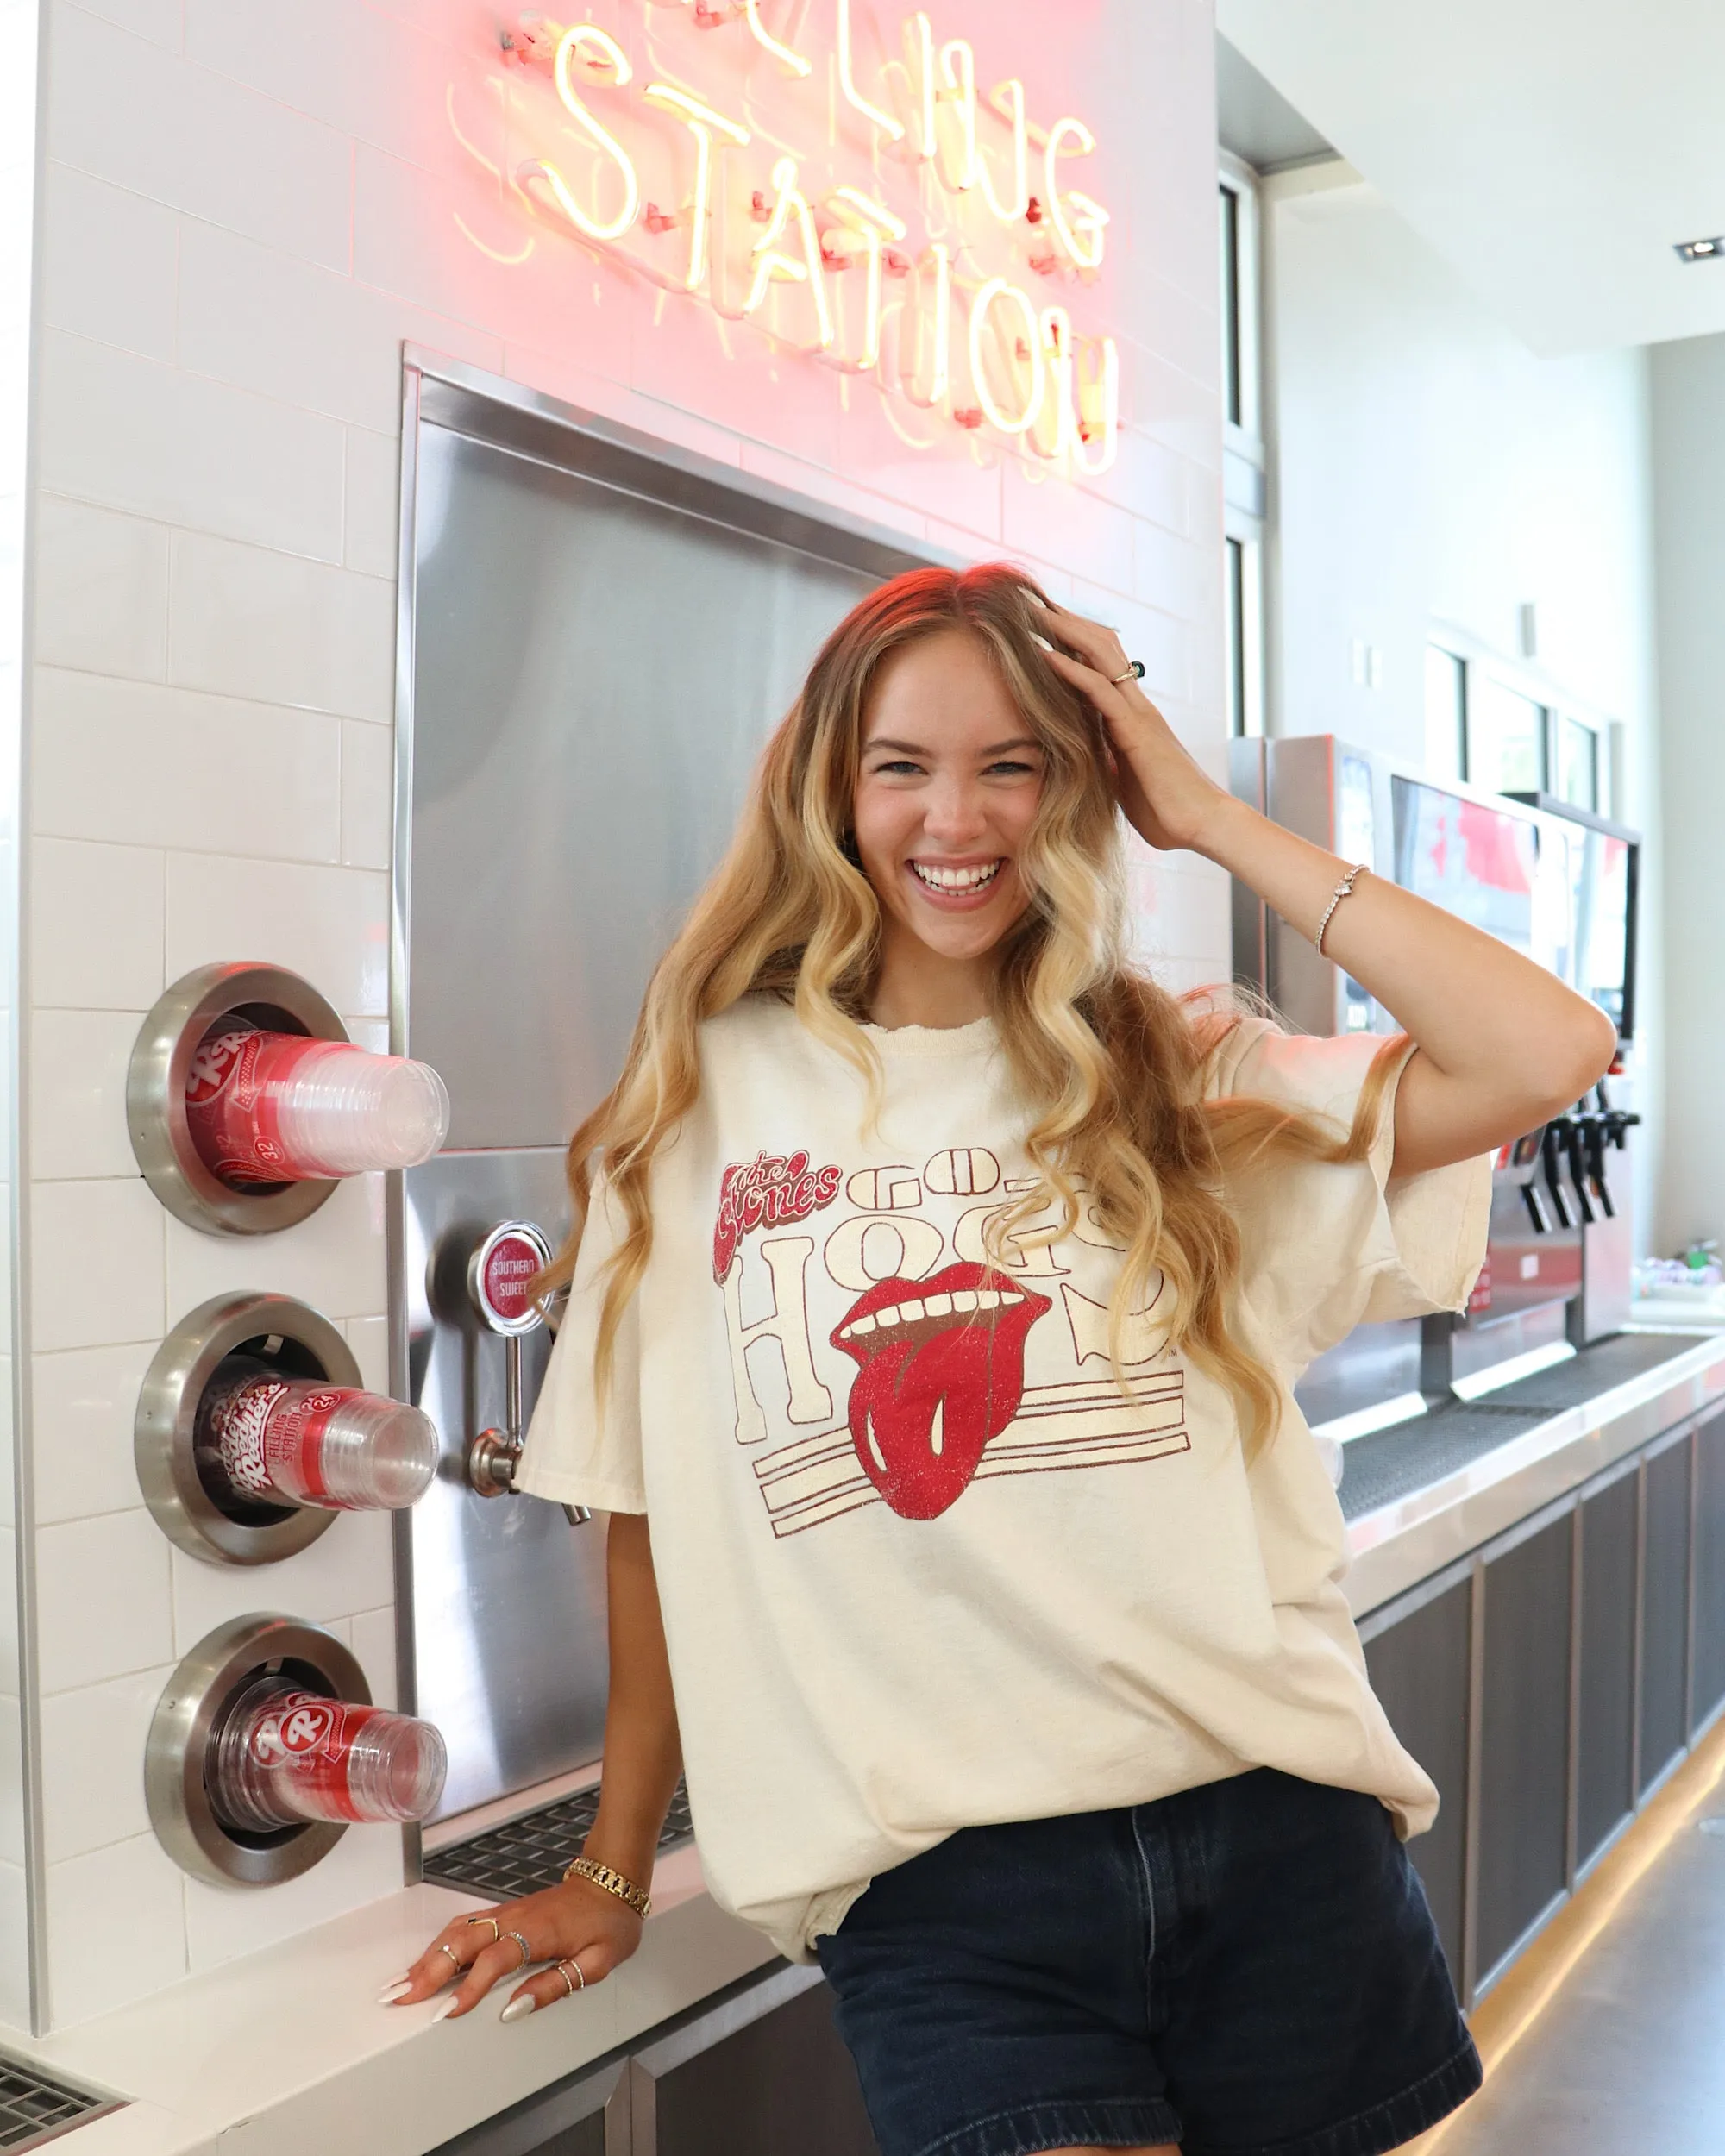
[167, 1413]
[188, 1720]
[155, 1094]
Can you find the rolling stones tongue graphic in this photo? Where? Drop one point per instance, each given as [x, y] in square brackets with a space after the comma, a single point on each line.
[940, 1371]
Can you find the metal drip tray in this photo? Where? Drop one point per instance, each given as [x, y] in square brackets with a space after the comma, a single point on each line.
[526, 1855]
[34, 2108]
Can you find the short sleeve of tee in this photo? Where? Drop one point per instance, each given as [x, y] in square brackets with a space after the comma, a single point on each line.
[1325, 1247]
[575, 1454]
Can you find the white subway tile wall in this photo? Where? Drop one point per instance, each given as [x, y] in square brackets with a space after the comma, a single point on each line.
[19, 29]
[248, 208]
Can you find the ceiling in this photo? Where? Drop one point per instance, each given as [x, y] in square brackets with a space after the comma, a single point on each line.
[1555, 151]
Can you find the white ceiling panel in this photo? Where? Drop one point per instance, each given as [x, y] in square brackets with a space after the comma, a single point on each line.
[1555, 151]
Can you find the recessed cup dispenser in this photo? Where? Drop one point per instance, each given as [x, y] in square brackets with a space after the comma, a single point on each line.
[254, 1430]
[247, 1101]
[265, 1748]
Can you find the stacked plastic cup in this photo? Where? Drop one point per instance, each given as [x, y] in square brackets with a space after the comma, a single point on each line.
[299, 1441]
[287, 1755]
[277, 1108]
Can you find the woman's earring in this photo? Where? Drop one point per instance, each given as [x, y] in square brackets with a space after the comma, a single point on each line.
[847, 846]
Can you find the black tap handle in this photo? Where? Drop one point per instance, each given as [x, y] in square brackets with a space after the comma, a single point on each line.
[1554, 1182]
[1578, 1167]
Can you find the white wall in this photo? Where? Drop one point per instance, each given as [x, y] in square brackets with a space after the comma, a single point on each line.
[1432, 475]
[248, 206]
[1689, 452]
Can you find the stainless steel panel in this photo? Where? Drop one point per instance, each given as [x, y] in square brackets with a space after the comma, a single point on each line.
[596, 634]
[594, 676]
[508, 1629]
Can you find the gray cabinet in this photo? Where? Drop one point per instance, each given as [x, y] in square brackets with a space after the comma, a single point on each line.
[1664, 1611]
[1523, 1807]
[759, 2071]
[763, 2075]
[1419, 1669]
[1550, 1681]
[1707, 1686]
[1605, 1696]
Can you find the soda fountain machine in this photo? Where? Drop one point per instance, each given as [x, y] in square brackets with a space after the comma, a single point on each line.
[1559, 884]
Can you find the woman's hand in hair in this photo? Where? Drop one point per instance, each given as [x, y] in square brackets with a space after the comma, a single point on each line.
[1167, 799]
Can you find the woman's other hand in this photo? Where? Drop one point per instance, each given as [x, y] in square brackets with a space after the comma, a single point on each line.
[576, 1927]
[1166, 797]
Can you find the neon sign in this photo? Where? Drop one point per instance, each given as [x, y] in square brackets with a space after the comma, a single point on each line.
[871, 206]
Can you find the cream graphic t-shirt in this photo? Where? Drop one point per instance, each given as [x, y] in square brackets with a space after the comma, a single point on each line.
[922, 1565]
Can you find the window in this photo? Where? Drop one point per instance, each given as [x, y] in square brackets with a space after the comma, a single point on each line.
[1446, 714]
[1233, 357]
[1506, 738]
[1243, 482]
[1577, 773]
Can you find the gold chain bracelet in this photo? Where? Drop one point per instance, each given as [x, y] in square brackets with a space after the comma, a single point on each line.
[602, 1876]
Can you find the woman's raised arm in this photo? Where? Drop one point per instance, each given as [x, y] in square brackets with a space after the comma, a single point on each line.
[1503, 1044]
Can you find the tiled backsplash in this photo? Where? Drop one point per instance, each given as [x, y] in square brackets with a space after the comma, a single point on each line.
[248, 209]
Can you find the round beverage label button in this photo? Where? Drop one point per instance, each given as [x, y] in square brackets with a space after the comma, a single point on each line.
[502, 1275]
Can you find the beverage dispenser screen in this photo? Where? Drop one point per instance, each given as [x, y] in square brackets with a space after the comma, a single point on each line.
[1475, 861]
[1605, 918]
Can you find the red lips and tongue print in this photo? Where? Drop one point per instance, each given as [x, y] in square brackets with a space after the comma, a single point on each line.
[940, 1371]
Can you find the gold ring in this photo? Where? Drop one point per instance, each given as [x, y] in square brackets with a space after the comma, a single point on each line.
[526, 1951]
[496, 1929]
[1134, 673]
[460, 1967]
[564, 1969]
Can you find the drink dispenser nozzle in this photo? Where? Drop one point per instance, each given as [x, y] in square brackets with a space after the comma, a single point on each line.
[500, 1278]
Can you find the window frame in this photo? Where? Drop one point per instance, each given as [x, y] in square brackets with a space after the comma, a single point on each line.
[1245, 457]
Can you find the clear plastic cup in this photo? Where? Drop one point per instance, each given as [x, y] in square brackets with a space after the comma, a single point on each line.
[299, 1441]
[277, 1108]
[286, 1756]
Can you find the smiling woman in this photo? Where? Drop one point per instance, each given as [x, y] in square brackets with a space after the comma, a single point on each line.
[938, 1290]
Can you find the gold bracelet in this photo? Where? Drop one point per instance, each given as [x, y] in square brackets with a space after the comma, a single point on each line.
[1343, 890]
[601, 1875]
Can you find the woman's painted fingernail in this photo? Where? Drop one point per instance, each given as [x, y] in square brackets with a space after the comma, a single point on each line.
[391, 1992]
[519, 2009]
[446, 2010]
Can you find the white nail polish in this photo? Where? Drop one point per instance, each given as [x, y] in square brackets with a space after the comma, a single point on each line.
[446, 2010]
[519, 2009]
[393, 1991]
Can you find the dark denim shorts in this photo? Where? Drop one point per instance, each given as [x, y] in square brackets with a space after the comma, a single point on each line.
[1246, 1967]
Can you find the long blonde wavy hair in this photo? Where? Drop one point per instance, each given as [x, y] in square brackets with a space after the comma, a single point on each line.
[1114, 1068]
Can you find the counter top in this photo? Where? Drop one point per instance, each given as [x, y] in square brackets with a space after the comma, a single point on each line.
[1422, 1495]
[278, 2053]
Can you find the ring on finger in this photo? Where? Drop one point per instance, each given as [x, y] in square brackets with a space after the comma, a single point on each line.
[496, 1928]
[1134, 673]
[460, 1967]
[526, 1951]
[564, 1969]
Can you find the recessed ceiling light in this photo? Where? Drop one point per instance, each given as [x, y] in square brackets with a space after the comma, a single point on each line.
[1701, 250]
